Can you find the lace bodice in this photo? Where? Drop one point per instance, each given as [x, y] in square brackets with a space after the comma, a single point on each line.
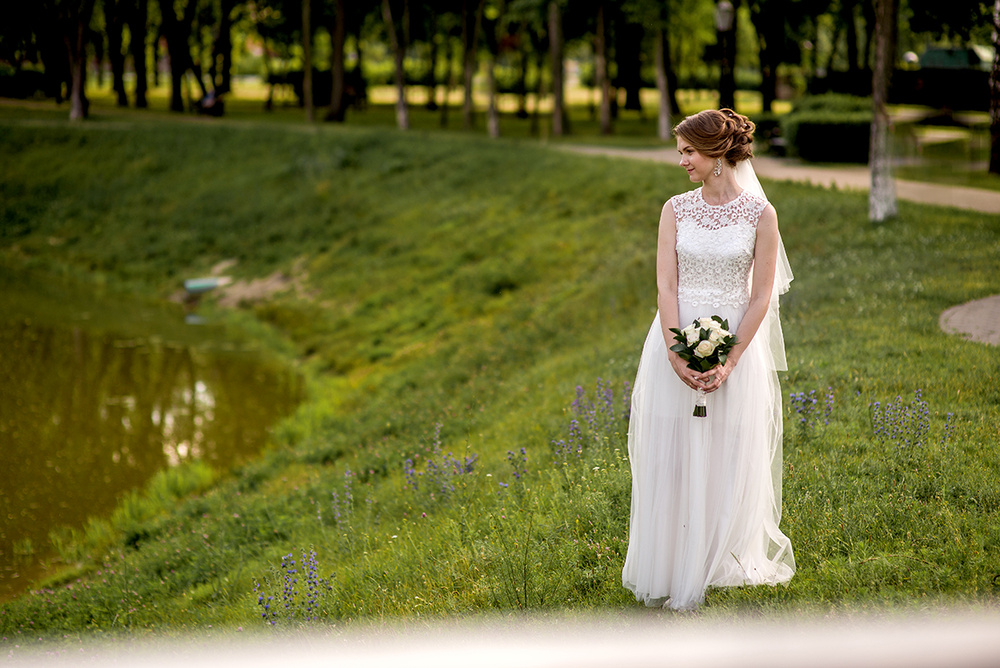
[715, 247]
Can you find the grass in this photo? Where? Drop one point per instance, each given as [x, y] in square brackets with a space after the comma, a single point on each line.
[950, 174]
[948, 155]
[456, 294]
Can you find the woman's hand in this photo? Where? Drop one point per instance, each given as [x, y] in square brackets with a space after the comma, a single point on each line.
[713, 379]
[689, 377]
[708, 381]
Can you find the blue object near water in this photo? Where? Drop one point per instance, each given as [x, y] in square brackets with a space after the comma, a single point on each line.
[197, 286]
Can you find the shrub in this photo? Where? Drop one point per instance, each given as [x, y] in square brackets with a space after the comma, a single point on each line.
[829, 128]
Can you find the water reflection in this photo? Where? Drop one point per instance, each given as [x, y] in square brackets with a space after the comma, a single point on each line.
[87, 414]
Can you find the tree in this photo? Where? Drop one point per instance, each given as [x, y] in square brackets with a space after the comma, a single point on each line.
[436, 36]
[338, 35]
[177, 32]
[449, 26]
[472, 19]
[770, 18]
[28, 35]
[307, 67]
[494, 34]
[138, 27]
[628, 57]
[560, 121]
[222, 49]
[882, 196]
[848, 9]
[114, 24]
[601, 75]
[995, 94]
[72, 18]
[725, 24]
[955, 19]
[664, 123]
[654, 16]
[398, 41]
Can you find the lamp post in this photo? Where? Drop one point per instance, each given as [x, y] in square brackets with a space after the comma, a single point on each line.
[725, 24]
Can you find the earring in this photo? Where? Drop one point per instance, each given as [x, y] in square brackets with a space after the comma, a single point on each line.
[718, 167]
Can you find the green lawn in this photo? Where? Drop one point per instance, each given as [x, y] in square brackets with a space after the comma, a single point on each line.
[455, 292]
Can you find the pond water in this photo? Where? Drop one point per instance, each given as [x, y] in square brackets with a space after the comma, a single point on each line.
[97, 394]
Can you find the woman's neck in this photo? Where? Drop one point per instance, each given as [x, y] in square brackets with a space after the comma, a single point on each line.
[720, 189]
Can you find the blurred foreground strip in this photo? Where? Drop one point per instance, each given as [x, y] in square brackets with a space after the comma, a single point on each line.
[630, 638]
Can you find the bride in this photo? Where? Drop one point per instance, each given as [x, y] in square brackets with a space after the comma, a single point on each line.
[706, 491]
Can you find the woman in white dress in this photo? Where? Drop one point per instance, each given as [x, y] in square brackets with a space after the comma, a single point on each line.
[706, 491]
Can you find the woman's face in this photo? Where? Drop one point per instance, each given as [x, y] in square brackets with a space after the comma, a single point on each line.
[697, 165]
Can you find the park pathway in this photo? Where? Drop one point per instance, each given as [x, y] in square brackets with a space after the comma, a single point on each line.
[977, 320]
[844, 178]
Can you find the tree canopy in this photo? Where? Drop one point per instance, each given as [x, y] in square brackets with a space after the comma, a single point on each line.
[775, 46]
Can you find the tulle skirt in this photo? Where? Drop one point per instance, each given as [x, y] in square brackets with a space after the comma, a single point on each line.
[706, 491]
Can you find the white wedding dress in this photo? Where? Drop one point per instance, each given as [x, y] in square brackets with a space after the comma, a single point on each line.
[706, 492]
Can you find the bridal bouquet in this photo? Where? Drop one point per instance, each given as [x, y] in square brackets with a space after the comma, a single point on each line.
[704, 345]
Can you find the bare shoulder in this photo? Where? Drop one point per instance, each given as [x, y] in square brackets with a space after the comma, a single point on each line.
[668, 217]
[768, 221]
[668, 208]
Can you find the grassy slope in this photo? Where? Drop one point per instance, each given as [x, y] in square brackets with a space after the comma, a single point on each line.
[473, 284]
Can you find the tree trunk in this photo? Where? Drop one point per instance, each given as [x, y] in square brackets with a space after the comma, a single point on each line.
[157, 54]
[522, 79]
[727, 75]
[995, 94]
[338, 105]
[560, 125]
[470, 37]
[628, 56]
[399, 51]
[432, 82]
[114, 23]
[848, 18]
[357, 74]
[222, 57]
[882, 197]
[768, 78]
[663, 124]
[494, 38]
[307, 68]
[98, 46]
[492, 115]
[868, 12]
[769, 22]
[138, 26]
[449, 82]
[539, 91]
[601, 68]
[178, 51]
[76, 22]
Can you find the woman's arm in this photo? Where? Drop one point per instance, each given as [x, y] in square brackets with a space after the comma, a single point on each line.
[666, 292]
[765, 256]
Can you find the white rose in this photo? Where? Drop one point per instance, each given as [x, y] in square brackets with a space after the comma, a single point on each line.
[707, 323]
[715, 336]
[704, 349]
[692, 336]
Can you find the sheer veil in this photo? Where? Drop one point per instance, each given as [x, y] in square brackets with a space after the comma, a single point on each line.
[770, 328]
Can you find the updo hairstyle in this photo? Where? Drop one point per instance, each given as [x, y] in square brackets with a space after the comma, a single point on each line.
[718, 133]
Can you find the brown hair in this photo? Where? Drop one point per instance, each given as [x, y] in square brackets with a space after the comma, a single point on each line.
[718, 133]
